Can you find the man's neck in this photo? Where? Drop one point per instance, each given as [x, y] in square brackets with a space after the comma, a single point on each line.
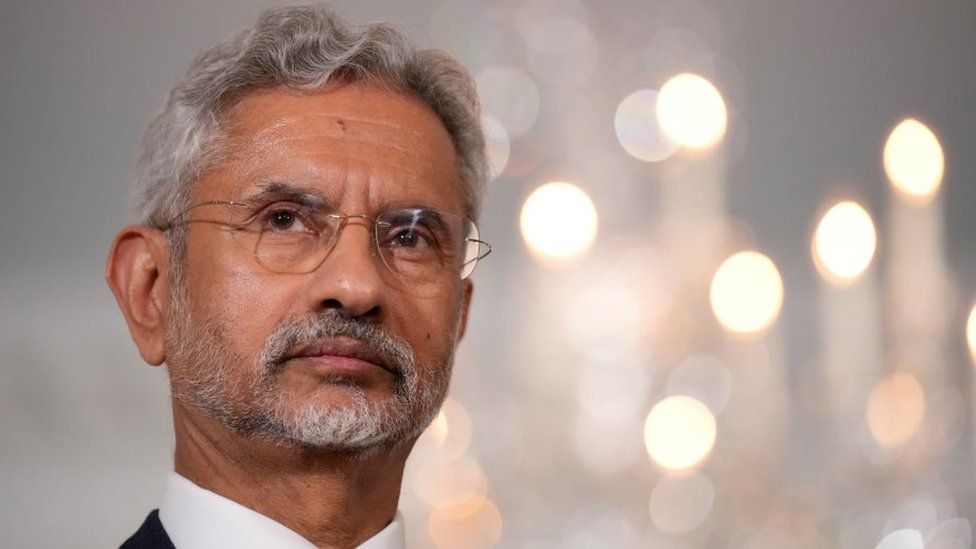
[334, 500]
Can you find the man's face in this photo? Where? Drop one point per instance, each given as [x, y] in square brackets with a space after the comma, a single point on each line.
[267, 353]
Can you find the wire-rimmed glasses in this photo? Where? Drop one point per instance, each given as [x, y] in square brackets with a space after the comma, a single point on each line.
[420, 245]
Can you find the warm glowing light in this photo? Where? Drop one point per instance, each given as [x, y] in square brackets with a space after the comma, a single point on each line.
[971, 333]
[638, 130]
[448, 435]
[437, 430]
[455, 436]
[914, 161]
[679, 432]
[896, 409]
[746, 293]
[449, 484]
[691, 111]
[844, 242]
[558, 221]
[497, 145]
[902, 539]
[682, 503]
[474, 528]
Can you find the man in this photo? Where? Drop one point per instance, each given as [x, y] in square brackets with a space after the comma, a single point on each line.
[305, 229]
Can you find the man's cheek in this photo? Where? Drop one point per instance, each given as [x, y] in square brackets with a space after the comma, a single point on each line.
[259, 291]
[433, 337]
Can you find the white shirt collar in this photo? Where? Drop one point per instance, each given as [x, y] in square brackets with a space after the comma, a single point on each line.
[196, 518]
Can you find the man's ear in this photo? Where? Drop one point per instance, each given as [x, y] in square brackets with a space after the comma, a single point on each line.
[137, 274]
[466, 294]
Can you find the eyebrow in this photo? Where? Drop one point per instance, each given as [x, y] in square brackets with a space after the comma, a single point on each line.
[423, 214]
[282, 190]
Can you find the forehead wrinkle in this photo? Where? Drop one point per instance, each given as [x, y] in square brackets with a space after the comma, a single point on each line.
[375, 144]
[400, 160]
[270, 160]
[346, 166]
[282, 122]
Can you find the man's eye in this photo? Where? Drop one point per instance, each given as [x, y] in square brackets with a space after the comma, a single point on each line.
[410, 238]
[284, 220]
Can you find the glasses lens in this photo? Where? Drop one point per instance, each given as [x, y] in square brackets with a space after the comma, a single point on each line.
[287, 240]
[286, 253]
[417, 244]
[421, 245]
[472, 250]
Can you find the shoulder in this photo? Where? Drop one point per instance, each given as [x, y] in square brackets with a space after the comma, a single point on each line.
[150, 535]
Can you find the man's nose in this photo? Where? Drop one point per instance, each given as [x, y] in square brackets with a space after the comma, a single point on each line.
[350, 278]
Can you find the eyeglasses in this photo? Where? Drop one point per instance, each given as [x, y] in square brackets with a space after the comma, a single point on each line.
[420, 245]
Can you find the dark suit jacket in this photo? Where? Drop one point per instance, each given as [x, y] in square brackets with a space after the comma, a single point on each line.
[150, 535]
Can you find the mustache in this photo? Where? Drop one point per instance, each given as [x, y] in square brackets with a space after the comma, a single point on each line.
[373, 341]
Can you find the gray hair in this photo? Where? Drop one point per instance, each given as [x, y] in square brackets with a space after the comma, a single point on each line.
[303, 48]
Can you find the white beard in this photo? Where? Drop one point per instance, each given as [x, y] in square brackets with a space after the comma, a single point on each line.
[206, 373]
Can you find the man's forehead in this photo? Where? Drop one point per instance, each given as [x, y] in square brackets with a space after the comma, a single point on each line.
[348, 110]
[319, 136]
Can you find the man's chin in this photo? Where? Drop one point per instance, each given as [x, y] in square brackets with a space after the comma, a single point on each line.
[337, 417]
[337, 414]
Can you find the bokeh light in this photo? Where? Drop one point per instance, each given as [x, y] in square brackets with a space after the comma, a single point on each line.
[896, 409]
[474, 527]
[746, 293]
[679, 432]
[971, 333]
[679, 504]
[452, 426]
[510, 96]
[637, 128]
[691, 111]
[436, 432]
[497, 145]
[902, 539]
[914, 161]
[558, 221]
[442, 484]
[844, 242]
[449, 434]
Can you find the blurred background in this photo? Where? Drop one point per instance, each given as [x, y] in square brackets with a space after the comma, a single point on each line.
[728, 305]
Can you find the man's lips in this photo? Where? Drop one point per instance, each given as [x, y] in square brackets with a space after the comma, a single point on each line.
[342, 357]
